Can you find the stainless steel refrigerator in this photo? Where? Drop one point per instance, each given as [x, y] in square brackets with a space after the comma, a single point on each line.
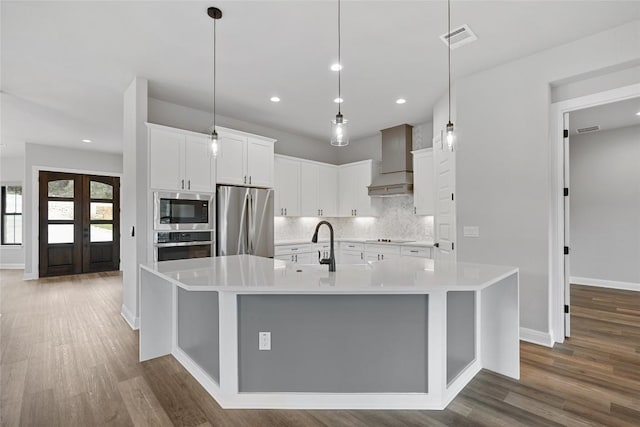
[244, 219]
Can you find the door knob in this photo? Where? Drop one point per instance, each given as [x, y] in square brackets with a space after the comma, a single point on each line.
[436, 245]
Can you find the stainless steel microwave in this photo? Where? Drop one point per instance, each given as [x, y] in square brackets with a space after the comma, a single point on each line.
[182, 211]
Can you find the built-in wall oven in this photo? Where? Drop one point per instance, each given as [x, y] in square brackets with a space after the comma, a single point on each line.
[184, 226]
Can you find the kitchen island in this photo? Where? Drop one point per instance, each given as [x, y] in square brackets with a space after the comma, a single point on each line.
[395, 334]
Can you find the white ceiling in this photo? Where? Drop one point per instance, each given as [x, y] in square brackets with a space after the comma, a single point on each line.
[608, 116]
[65, 65]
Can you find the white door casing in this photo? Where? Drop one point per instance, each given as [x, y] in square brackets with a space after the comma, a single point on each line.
[445, 218]
[567, 271]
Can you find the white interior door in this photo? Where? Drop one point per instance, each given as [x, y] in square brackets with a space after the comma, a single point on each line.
[567, 229]
[445, 219]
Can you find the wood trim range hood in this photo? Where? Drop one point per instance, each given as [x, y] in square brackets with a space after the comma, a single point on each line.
[396, 169]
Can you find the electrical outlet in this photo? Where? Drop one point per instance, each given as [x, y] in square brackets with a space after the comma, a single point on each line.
[471, 231]
[264, 341]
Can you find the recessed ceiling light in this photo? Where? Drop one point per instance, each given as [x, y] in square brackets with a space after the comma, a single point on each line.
[336, 67]
[400, 101]
[274, 99]
[338, 100]
[88, 141]
[638, 113]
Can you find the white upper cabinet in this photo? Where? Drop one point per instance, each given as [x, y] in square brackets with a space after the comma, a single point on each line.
[287, 186]
[245, 160]
[199, 164]
[353, 193]
[423, 182]
[309, 188]
[232, 158]
[180, 160]
[328, 190]
[259, 162]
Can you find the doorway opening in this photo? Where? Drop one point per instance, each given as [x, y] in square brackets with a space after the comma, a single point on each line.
[79, 223]
[597, 189]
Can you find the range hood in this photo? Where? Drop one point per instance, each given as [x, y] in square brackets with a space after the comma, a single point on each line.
[396, 169]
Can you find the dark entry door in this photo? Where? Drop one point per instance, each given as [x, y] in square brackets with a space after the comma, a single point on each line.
[79, 223]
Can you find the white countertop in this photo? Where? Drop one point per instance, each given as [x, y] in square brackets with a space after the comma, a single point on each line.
[420, 243]
[252, 274]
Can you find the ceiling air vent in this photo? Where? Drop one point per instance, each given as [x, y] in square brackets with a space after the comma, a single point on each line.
[459, 37]
[588, 129]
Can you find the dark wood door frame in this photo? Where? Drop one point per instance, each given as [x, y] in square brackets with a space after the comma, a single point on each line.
[82, 255]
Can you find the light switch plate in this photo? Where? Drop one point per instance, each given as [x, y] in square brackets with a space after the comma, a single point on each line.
[471, 231]
[264, 341]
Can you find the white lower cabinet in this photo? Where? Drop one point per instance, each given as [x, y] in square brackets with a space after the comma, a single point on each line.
[416, 251]
[351, 253]
[298, 254]
[376, 252]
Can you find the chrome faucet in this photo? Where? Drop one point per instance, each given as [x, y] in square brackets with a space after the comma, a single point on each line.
[331, 261]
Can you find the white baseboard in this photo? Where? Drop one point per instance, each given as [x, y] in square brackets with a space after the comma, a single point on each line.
[11, 266]
[536, 337]
[601, 283]
[30, 276]
[134, 322]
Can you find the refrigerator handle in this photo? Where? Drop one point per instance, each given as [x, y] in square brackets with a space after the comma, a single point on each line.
[250, 224]
[242, 235]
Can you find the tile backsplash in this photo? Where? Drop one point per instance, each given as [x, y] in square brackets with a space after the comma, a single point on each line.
[396, 221]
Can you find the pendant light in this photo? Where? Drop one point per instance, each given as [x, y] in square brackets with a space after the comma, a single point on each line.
[215, 14]
[449, 129]
[339, 131]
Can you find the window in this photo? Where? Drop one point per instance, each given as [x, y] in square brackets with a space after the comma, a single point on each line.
[11, 209]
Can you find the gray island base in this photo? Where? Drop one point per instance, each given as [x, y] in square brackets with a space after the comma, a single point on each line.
[396, 334]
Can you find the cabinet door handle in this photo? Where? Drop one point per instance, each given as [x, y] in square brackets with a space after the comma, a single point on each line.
[291, 258]
[285, 211]
[281, 211]
[382, 256]
[361, 255]
[189, 184]
[245, 179]
[414, 210]
[182, 184]
[249, 179]
[296, 257]
[355, 212]
[378, 257]
[321, 212]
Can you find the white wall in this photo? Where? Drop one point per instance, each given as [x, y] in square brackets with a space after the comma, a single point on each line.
[503, 159]
[594, 82]
[371, 147]
[135, 212]
[47, 157]
[605, 205]
[290, 144]
[12, 172]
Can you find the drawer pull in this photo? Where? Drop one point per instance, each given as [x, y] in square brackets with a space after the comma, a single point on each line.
[414, 252]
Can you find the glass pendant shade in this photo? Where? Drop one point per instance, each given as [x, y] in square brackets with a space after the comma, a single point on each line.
[214, 143]
[339, 131]
[451, 137]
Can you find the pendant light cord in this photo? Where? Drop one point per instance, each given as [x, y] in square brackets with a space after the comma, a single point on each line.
[449, 51]
[339, 62]
[214, 75]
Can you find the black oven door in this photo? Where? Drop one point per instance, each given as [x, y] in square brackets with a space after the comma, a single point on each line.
[170, 253]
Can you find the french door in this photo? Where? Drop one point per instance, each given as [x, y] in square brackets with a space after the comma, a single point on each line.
[79, 223]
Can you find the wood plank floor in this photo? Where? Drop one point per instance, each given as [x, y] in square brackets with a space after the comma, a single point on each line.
[69, 359]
